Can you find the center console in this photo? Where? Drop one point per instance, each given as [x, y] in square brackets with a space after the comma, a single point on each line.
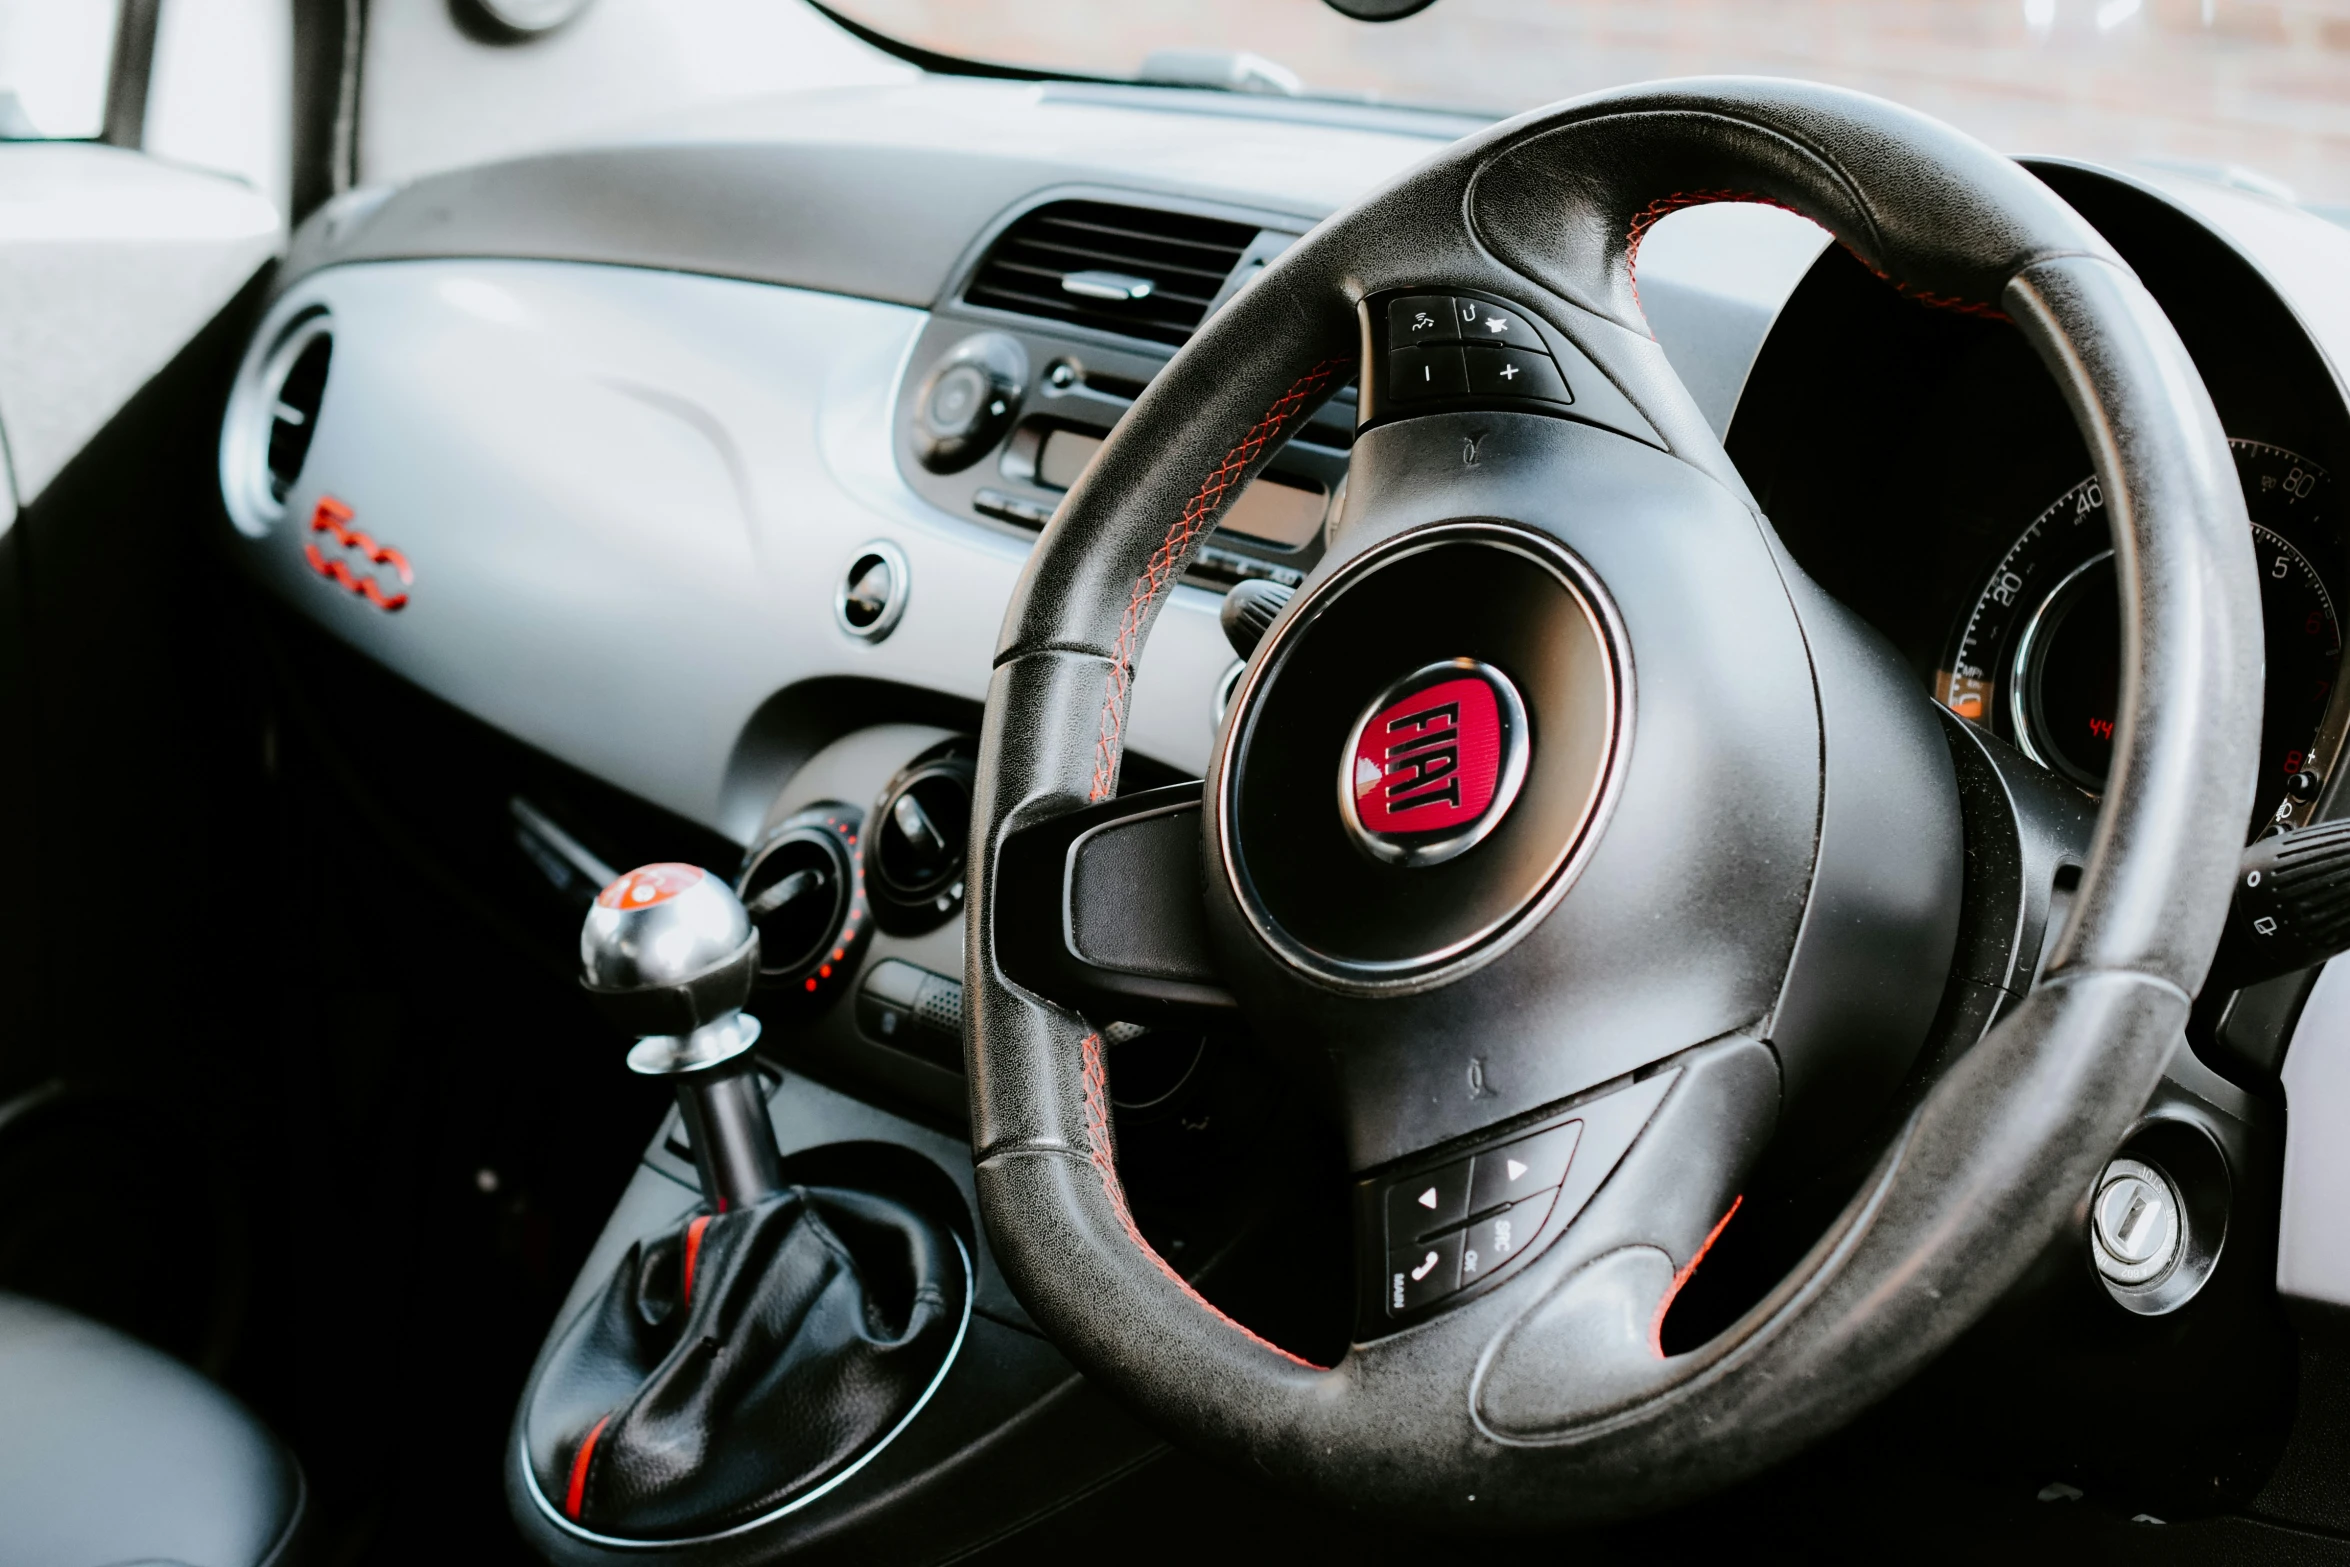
[792, 1315]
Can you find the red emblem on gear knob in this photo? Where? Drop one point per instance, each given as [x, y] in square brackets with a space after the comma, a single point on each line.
[648, 885]
[1435, 763]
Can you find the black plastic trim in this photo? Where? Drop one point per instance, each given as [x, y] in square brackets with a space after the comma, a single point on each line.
[1035, 923]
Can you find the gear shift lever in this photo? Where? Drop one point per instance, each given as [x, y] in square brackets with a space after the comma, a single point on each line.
[739, 1362]
[669, 954]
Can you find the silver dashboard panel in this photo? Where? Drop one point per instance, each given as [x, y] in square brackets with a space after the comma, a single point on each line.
[625, 497]
[626, 492]
[2313, 1244]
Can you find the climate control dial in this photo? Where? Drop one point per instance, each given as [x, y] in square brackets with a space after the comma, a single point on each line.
[804, 887]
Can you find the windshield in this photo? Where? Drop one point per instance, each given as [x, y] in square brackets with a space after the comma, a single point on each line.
[2257, 91]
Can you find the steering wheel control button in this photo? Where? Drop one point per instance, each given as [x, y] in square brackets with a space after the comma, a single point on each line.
[1492, 1244]
[1418, 375]
[1423, 1274]
[1423, 1204]
[1515, 372]
[2135, 1227]
[1518, 1170]
[1423, 318]
[1484, 323]
[871, 598]
[1434, 765]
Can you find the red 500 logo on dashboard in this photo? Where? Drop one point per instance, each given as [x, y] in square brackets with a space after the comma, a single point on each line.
[348, 544]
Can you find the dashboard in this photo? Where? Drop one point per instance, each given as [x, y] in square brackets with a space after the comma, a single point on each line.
[700, 468]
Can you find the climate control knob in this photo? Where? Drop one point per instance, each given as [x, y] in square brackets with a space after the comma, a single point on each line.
[804, 889]
[969, 401]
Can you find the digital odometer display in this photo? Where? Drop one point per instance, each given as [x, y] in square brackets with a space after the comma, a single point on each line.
[2037, 656]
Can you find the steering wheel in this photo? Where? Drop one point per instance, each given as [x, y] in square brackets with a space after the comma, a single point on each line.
[1563, 833]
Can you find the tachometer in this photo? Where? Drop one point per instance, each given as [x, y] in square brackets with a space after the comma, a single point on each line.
[2037, 659]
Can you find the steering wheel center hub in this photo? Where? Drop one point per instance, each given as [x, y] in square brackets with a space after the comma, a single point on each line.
[1465, 784]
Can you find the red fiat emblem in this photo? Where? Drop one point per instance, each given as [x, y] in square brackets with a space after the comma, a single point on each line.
[1433, 765]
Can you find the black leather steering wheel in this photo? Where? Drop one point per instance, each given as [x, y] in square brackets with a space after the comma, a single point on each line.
[1715, 906]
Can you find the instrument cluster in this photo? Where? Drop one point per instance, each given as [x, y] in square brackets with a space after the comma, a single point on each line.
[2036, 657]
[1922, 466]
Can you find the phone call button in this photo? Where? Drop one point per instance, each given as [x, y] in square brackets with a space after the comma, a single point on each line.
[1420, 1275]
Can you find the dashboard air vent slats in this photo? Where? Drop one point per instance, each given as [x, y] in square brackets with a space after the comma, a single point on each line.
[271, 428]
[1183, 259]
[293, 417]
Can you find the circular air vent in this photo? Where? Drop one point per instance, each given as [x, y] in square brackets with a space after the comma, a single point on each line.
[914, 845]
[272, 419]
[872, 595]
[805, 891]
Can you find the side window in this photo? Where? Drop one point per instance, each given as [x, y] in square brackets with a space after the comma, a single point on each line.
[441, 89]
[56, 57]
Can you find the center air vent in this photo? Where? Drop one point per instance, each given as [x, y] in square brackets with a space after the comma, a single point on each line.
[1132, 270]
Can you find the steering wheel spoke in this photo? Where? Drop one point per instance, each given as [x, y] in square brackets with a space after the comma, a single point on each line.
[1099, 910]
[1669, 1147]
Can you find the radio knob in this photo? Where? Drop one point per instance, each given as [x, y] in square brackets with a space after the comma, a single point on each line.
[969, 401]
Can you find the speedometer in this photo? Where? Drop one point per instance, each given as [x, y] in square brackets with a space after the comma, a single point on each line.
[2037, 657]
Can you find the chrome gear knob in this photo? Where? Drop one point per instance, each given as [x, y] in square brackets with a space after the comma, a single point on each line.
[669, 954]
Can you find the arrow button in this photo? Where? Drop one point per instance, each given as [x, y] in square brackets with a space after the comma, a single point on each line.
[1419, 1205]
[1516, 1171]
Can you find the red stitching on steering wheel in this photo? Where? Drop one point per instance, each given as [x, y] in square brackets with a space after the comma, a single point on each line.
[1105, 1164]
[1167, 562]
